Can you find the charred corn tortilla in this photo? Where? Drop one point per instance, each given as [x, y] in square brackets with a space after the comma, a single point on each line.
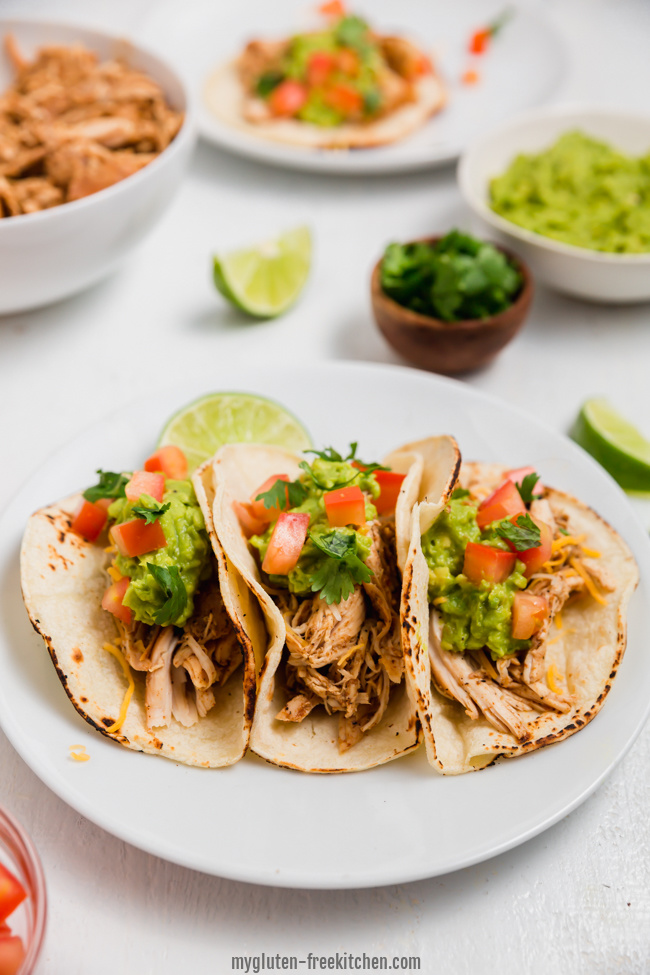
[63, 579]
[581, 657]
[227, 99]
[312, 744]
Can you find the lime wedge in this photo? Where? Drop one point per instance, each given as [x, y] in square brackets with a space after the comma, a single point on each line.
[208, 423]
[265, 280]
[614, 443]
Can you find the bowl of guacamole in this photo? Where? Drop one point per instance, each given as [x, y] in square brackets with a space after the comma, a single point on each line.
[570, 189]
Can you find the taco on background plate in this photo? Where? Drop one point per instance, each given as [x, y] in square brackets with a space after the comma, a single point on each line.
[514, 615]
[344, 86]
[320, 543]
[142, 616]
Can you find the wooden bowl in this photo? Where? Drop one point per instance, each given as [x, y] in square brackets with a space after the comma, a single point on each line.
[449, 347]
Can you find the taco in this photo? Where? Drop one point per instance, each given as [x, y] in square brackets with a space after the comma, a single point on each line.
[142, 616]
[318, 543]
[514, 612]
[341, 87]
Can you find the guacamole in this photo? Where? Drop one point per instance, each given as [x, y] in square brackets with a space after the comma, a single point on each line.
[472, 616]
[187, 548]
[322, 476]
[580, 191]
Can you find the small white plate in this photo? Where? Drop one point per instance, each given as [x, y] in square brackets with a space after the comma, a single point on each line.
[523, 67]
[259, 823]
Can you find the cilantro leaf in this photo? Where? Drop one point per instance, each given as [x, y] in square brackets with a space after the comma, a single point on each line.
[169, 580]
[267, 82]
[523, 534]
[283, 494]
[352, 32]
[111, 485]
[527, 486]
[335, 577]
[328, 453]
[149, 515]
[459, 493]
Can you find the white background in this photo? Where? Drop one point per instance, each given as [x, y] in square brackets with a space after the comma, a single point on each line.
[577, 898]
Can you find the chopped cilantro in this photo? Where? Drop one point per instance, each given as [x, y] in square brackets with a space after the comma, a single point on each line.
[527, 486]
[283, 494]
[523, 534]
[149, 515]
[456, 278]
[110, 485]
[352, 32]
[336, 576]
[267, 82]
[169, 580]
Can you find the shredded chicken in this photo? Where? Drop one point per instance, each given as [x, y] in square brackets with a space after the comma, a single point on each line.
[500, 690]
[184, 666]
[70, 126]
[346, 657]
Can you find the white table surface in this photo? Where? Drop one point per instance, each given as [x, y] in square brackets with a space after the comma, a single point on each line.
[576, 898]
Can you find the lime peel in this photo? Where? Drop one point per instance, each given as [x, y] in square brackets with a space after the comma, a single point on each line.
[615, 443]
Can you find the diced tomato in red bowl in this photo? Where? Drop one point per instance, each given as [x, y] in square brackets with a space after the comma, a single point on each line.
[23, 899]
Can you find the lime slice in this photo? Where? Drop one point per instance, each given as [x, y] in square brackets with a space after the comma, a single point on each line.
[614, 443]
[208, 423]
[265, 280]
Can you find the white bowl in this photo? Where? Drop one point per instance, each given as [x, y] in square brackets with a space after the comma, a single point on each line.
[574, 270]
[54, 253]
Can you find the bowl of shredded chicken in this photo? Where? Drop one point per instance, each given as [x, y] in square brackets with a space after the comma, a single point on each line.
[94, 136]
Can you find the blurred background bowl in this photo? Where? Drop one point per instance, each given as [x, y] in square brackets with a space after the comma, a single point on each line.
[577, 271]
[449, 348]
[18, 854]
[54, 253]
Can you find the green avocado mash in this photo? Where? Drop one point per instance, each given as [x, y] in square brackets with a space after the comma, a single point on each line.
[580, 191]
[322, 476]
[472, 616]
[187, 548]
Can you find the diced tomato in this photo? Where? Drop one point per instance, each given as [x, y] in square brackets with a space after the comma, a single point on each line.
[479, 41]
[347, 61]
[89, 520]
[528, 614]
[517, 476]
[104, 503]
[502, 503]
[112, 600]
[390, 483]
[345, 506]
[319, 68]
[534, 558]
[257, 508]
[12, 893]
[170, 460]
[333, 9]
[249, 523]
[344, 98]
[287, 98]
[484, 562]
[137, 538]
[145, 482]
[286, 543]
[424, 65]
[12, 954]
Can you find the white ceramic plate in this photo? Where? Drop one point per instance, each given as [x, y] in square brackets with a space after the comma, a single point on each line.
[522, 69]
[268, 825]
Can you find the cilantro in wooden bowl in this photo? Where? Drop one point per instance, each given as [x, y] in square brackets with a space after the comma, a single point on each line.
[450, 304]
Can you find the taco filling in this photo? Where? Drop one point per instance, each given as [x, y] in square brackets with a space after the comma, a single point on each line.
[163, 590]
[345, 73]
[325, 544]
[503, 564]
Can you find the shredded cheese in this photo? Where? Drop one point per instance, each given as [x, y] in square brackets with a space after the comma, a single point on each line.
[589, 583]
[558, 620]
[560, 543]
[552, 679]
[110, 548]
[489, 666]
[439, 600]
[119, 656]
[348, 653]
[114, 573]
[78, 753]
[591, 553]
